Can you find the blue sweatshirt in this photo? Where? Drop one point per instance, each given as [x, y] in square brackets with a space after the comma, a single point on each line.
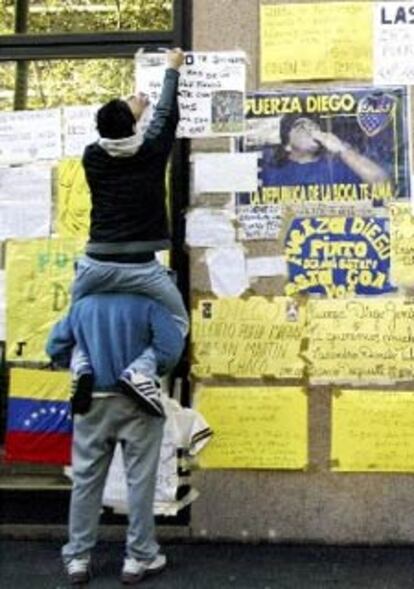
[114, 329]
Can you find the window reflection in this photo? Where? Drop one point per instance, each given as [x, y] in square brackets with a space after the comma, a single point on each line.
[64, 82]
[86, 16]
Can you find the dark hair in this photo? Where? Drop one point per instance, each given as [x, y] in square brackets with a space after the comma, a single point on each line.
[115, 120]
[280, 155]
[287, 122]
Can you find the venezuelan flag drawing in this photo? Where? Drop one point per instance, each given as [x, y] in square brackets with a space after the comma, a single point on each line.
[39, 423]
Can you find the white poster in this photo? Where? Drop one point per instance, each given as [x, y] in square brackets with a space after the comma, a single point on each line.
[30, 135]
[79, 129]
[225, 172]
[394, 43]
[227, 271]
[209, 228]
[25, 201]
[212, 89]
[266, 266]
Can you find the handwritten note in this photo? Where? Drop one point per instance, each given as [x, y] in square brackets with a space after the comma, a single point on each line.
[373, 431]
[73, 199]
[402, 244]
[259, 222]
[79, 129]
[38, 278]
[254, 427]
[212, 87]
[30, 135]
[393, 43]
[361, 340]
[247, 338]
[325, 40]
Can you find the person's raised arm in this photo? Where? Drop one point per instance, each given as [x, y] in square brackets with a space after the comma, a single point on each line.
[161, 131]
[361, 165]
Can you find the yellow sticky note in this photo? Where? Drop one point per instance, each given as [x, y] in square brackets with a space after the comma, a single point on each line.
[254, 427]
[73, 199]
[373, 431]
[363, 339]
[39, 384]
[39, 274]
[318, 41]
[402, 244]
[252, 337]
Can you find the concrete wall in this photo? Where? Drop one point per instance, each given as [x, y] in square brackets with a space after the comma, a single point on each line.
[316, 505]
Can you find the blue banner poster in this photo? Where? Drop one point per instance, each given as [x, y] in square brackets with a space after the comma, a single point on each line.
[338, 256]
[342, 145]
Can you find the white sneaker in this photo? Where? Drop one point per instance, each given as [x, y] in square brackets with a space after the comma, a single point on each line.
[144, 391]
[134, 570]
[78, 570]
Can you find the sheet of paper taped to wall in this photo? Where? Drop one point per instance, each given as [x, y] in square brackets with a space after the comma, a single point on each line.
[255, 427]
[372, 430]
[73, 199]
[402, 245]
[227, 271]
[317, 41]
[393, 43]
[266, 266]
[2, 305]
[39, 273]
[225, 172]
[207, 227]
[30, 135]
[253, 337]
[79, 128]
[361, 340]
[25, 201]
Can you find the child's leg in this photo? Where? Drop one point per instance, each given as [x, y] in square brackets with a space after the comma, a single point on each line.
[150, 279]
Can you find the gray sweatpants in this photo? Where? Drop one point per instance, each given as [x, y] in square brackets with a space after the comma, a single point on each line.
[112, 419]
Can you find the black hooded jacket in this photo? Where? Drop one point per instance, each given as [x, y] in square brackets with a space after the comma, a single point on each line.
[129, 214]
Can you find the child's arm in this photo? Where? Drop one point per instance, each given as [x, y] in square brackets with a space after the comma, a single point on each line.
[60, 343]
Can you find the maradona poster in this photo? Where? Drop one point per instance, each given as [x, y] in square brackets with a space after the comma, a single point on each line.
[343, 145]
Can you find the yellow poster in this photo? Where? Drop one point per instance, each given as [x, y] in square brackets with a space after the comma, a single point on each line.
[373, 431]
[354, 340]
[402, 244]
[255, 427]
[73, 199]
[39, 274]
[318, 41]
[247, 338]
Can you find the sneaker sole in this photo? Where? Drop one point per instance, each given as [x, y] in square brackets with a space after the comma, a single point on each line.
[146, 404]
[79, 579]
[129, 579]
